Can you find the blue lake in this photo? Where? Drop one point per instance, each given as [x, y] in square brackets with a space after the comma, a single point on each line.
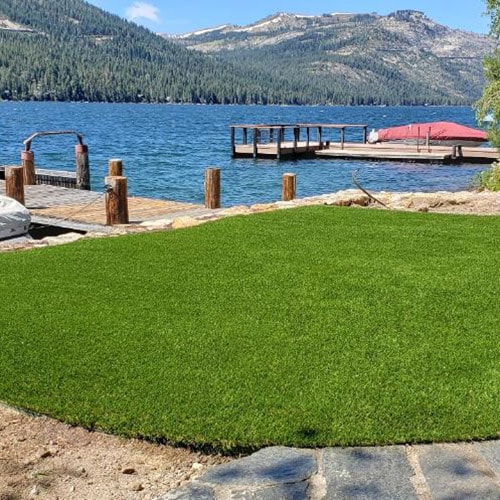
[166, 148]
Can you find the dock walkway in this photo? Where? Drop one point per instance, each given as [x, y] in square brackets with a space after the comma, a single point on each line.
[281, 140]
[316, 141]
[85, 210]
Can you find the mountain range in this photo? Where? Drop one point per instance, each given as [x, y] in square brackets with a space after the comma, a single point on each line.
[70, 50]
[403, 57]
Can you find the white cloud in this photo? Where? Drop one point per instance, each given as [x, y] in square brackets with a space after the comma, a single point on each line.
[142, 10]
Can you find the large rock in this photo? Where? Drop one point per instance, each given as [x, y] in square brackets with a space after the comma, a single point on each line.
[268, 467]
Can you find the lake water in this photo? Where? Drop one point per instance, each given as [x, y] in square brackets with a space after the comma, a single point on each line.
[166, 148]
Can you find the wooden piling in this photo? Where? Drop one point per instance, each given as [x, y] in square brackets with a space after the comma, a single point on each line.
[82, 167]
[342, 137]
[14, 183]
[28, 163]
[212, 188]
[289, 187]
[281, 138]
[296, 137]
[116, 200]
[115, 167]
[233, 141]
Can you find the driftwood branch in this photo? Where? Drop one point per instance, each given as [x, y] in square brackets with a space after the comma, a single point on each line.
[359, 186]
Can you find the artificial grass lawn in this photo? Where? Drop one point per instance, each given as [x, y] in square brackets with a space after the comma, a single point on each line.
[309, 327]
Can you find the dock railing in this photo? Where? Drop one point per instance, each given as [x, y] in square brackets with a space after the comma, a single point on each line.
[287, 139]
[81, 158]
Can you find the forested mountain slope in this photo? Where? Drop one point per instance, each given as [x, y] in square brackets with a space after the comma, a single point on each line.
[355, 58]
[71, 50]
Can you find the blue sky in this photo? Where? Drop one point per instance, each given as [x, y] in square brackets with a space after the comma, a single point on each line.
[174, 16]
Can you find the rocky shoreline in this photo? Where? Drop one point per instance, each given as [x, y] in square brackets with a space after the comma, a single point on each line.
[462, 202]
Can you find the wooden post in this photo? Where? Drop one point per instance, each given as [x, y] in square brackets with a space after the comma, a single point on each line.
[28, 163]
[14, 183]
[82, 167]
[320, 137]
[365, 134]
[271, 135]
[115, 167]
[418, 140]
[245, 135]
[281, 134]
[289, 187]
[255, 141]
[456, 152]
[212, 188]
[116, 200]
[308, 134]
[233, 142]
[296, 137]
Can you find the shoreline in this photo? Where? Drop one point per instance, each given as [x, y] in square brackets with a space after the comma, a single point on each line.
[479, 203]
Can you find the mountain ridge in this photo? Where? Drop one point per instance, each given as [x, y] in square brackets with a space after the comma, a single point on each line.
[402, 49]
[71, 50]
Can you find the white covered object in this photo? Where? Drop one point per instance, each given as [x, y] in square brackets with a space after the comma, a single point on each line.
[15, 219]
[373, 137]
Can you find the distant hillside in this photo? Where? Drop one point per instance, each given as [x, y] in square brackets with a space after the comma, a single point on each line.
[402, 58]
[71, 50]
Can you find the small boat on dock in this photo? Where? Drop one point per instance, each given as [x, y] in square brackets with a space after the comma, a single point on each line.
[15, 219]
[433, 133]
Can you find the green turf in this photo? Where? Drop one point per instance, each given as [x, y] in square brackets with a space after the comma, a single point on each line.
[310, 327]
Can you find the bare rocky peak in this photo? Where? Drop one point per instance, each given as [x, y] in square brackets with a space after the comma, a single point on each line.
[273, 23]
[413, 29]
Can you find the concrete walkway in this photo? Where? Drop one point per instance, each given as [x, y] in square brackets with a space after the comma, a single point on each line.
[437, 471]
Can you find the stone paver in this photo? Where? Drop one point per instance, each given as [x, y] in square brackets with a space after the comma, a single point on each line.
[424, 472]
[455, 471]
[378, 473]
[267, 467]
[490, 450]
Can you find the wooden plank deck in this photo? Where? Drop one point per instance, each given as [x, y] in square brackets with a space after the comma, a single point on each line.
[386, 154]
[270, 150]
[87, 207]
[405, 152]
[358, 150]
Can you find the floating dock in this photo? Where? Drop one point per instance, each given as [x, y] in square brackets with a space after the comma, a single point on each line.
[315, 140]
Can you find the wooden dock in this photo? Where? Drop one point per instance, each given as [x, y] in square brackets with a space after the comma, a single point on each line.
[85, 210]
[410, 153]
[317, 141]
[280, 140]
[48, 176]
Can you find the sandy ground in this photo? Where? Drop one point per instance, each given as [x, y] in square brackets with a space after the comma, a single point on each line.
[41, 458]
